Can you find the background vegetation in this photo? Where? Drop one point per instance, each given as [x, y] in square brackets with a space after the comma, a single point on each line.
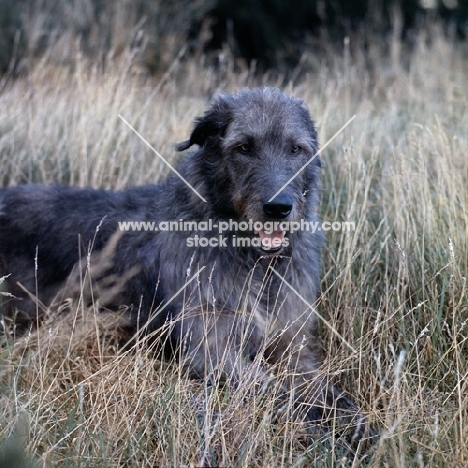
[261, 33]
[396, 288]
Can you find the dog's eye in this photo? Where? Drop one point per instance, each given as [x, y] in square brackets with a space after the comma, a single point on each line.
[295, 149]
[244, 149]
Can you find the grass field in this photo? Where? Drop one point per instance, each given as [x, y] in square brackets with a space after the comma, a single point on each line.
[396, 287]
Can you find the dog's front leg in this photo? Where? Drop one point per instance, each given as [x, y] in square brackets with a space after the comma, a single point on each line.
[315, 400]
[219, 346]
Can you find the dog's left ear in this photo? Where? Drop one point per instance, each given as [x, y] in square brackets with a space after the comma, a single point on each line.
[213, 124]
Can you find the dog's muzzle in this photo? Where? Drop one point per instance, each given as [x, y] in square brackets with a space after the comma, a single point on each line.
[278, 209]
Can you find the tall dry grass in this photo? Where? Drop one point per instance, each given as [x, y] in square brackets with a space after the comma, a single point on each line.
[396, 287]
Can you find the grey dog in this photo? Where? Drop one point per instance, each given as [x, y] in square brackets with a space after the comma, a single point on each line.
[233, 299]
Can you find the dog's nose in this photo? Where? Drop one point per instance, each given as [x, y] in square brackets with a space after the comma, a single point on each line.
[279, 207]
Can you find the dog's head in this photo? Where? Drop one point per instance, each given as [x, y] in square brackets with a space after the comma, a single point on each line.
[258, 156]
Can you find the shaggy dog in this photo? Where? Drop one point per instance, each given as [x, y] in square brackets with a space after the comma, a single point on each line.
[211, 250]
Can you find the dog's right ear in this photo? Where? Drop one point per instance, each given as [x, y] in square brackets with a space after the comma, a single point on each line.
[213, 124]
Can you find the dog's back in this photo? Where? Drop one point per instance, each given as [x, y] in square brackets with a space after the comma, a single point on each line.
[46, 230]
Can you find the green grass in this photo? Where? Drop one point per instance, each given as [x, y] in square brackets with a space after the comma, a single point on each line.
[396, 287]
